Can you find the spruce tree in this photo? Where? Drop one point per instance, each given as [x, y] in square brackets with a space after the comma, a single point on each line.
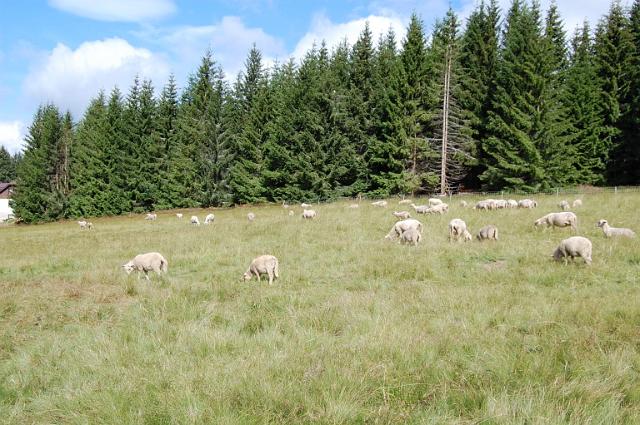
[7, 167]
[166, 128]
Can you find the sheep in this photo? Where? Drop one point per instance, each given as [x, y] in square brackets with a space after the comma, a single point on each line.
[614, 231]
[403, 215]
[577, 203]
[285, 205]
[309, 214]
[151, 261]
[438, 209]
[463, 204]
[501, 204]
[151, 216]
[179, 215]
[291, 213]
[195, 221]
[379, 204]
[305, 205]
[458, 230]
[484, 205]
[410, 236]
[559, 219]
[564, 205]
[405, 201]
[527, 203]
[251, 216]
[85, 225]
[420, 209]
[434, 201]
[512, 203]
[354, 206]
[401, 226]
[575, 246]
[487, 233]
[264, 264]
[209, 219]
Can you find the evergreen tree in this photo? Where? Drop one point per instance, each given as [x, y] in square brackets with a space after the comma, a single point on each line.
[117, 155]
[166, 129]
[7, 166]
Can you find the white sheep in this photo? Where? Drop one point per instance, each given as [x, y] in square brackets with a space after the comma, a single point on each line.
[410, 236]
[575, 246]
[354, 206]
[438, 209]
[463, 204]
[559, 219]
[194, 220]
[309, 214]
[420, 209]
[285, 205]
[264, 264]
[486, 204]
[434, 201]
[151, 261]
[405, 201]
[614, 231]
[487, 233]
[401, 226]
[527, 203]
[458, 230]
[564, 205]
[151, 216]
[403, 215]
[179, 215]
[501, 203]
[85, 225]
[577, 203]
[512, 203]
[291, 213]
[251, 216]
[209, 219]
[305, 205]
[379, 204]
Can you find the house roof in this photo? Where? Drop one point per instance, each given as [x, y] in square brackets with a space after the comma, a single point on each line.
[5, 186]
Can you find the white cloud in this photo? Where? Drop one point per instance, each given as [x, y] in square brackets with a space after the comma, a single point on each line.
[333, 33]
[117, 10]
[12, 135]
[70, 78]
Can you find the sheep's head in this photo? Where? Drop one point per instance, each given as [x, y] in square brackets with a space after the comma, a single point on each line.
[128, 267]
[557, 254]
[246, 276]
[601, 223]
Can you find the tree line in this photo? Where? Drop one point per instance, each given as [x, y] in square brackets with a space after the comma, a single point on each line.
[507, 102]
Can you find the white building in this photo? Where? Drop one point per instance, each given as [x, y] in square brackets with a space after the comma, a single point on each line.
[6, 189]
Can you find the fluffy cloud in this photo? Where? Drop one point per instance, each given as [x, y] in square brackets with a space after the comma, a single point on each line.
[117, 10]
[333, 33]
[12, 135]
[70, 78]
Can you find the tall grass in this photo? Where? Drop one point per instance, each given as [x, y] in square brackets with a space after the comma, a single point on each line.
[356, 330]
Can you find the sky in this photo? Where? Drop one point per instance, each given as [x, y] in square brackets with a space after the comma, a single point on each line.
[65, 51]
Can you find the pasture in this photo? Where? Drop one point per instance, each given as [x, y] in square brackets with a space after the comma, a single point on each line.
[356, 330]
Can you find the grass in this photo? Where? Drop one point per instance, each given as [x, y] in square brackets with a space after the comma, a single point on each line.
[356, 330]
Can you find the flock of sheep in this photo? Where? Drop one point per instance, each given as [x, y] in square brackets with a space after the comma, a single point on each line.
[408, 231]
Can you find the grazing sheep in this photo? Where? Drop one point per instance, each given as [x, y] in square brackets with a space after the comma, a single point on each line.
[564, 205]
[527, 203]
[486, 204]
[405, 201]
[291, 213]
[458, 230]
[575, 246]
[379, 204]
[420, 209]
[438, 209]
[463, 204]
[614, 231]
[403, 215]
[512, 203]
[251, 216]
[305, 205]
[310, 214]
[195, 221]
[179, 215]
[264, 264]
[434, 201]
[209, 219]
[401, 226]
[577, 203]
[354, 206]
[559, 219]
[151, 216]
[285, 205]
[410, 236]
[151, 261]
[500, 204]
[487, 233]
[83, 224]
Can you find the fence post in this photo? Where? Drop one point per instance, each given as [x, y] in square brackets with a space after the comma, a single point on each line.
[615, 190]
[557, 191]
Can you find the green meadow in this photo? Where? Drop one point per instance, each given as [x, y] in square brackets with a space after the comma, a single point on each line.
[356, 330]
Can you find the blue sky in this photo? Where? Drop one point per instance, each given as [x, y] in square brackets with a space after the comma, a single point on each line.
[64, 51]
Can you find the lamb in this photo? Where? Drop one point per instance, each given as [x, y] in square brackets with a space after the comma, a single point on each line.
[209, 219]
[179, 215]
[577, 203]
[379, 204]
[85, 225]
[264, 264]
[410, 236]
[564, 205]
[458, 230]
[309, 214]
[405, 201]
[401, 226]
[527, 203]
[195, 221]
[151, 216]
[559, 219]
[512, 203]
[403, 215]
[251, 216]
[487, 233]
[614, 231]
[420, 209]
[463, 204]
[434, 201]
[305, 205]
[151, 261]
[575, 246]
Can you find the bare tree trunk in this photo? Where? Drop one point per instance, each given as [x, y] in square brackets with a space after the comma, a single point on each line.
[445, 124]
